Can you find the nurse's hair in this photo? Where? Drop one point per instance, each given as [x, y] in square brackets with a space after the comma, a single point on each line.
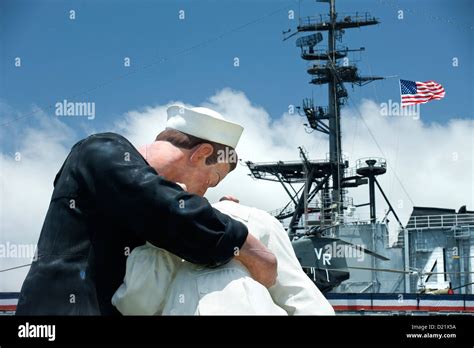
[187, 141]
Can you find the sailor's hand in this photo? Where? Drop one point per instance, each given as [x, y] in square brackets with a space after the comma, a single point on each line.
[229, 198]
[260, 261]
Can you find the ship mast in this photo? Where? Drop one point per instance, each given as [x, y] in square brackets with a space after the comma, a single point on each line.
[327, 178]
[334, 75]
[335, 150]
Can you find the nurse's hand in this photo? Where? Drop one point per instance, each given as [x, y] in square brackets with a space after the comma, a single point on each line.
[229, 198]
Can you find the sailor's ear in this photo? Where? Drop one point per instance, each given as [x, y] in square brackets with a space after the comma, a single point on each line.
[201, 153]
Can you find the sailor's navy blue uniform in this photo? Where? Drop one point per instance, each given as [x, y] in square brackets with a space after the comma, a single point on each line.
[106, 201]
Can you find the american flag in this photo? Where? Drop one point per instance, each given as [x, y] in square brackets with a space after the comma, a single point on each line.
[415, 92]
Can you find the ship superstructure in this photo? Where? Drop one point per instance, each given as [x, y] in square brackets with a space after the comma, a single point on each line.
[434, 252]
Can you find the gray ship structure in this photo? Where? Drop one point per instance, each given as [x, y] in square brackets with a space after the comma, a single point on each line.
[430, 266]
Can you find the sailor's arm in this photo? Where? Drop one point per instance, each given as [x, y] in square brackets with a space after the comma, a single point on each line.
[159, 211]
[260, 261]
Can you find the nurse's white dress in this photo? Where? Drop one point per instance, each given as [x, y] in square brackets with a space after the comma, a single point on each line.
[159, 283]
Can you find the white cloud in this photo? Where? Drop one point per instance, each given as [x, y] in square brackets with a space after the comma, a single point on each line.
[26, 179]
[434, 162]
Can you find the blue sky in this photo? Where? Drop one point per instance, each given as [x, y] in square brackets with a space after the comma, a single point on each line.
[82, 59]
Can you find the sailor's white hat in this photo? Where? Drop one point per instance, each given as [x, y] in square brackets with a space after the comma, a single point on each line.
[204, 123]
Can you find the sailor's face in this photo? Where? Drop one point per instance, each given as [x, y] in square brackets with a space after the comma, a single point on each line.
[200, 178]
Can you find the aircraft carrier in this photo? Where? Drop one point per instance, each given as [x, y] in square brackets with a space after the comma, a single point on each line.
[429, 269]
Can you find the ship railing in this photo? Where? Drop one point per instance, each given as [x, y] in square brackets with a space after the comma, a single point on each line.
[324, 50]
[463, 232]
[314, 215]
[326, 19]
[309, 20]
[440, 221]
[380, 162]
[350, 172]
[282, 211]
[253, 165]
[344, 157]
[346, 202]
[362, 219]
